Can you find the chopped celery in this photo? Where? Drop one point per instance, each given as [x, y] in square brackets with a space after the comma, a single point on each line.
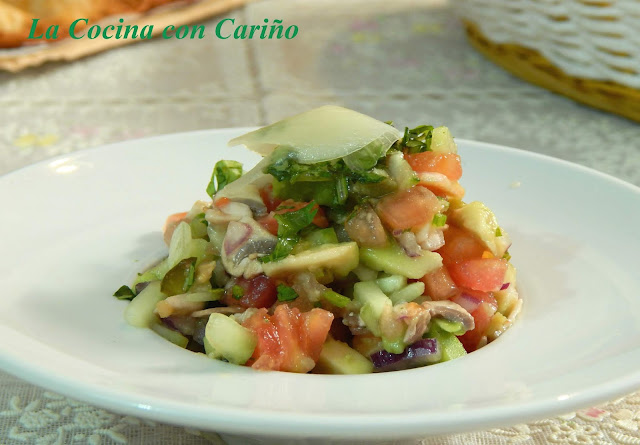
[439, 220]
[335, 298]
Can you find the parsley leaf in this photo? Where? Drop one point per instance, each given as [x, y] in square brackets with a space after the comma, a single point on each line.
[124, 293]
[286, 293]
[224, 173]
[289, 226]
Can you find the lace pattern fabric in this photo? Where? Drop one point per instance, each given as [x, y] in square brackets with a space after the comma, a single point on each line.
[406, 61]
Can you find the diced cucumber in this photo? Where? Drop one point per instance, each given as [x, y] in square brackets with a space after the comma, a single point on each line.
[174, 337]
[391, 283]
[373, 302]
[449, 343]
[338, 358]
[442, 141]
[198, 226]
[322, 236]
[393, 260]
[364, 273]
[139, 312]
[374, 305]
[453, 327]
[229, 340]
[401, 172]
[340, 258]
[407, 293]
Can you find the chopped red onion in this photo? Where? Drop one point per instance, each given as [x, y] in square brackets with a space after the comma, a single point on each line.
[421, 353]
[505, 286]
[237, 234]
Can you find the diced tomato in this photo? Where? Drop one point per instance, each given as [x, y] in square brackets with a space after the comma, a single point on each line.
[288, 340]
[259, 291]
[290, 205]
[483, 274]
[459, 245]
[439, 285]
[446, 163]
[266, 355]
[482, 316]
[266, 193]
[170, 225]
[269, 222]
[408, 209]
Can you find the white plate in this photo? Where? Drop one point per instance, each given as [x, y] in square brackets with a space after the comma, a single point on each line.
[74, 229]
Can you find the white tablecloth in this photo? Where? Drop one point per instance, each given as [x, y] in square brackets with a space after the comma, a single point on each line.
[406, 61]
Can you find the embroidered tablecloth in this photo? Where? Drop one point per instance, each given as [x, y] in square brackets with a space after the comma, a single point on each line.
[406, 61]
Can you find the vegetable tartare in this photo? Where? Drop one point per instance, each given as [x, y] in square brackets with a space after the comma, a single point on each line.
[347, 249]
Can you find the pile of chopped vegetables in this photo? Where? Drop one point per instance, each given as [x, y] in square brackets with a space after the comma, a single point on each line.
[347, 249]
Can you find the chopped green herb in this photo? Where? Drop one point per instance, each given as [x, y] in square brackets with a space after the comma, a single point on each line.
[237, 292]
[498, 232]
[327, 183]
[335, 298]
[224, 173]
[124, 293]
[200, 217]
[439, 220]
[416, 140]
[286, 293]
[289, 226]
[506, 256]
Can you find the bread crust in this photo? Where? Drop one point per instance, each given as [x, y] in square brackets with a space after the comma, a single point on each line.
[16, 16]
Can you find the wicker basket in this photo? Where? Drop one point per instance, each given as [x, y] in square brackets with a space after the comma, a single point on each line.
[588, 50]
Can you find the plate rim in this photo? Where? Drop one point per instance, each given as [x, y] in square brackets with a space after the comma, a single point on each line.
[238, 421]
